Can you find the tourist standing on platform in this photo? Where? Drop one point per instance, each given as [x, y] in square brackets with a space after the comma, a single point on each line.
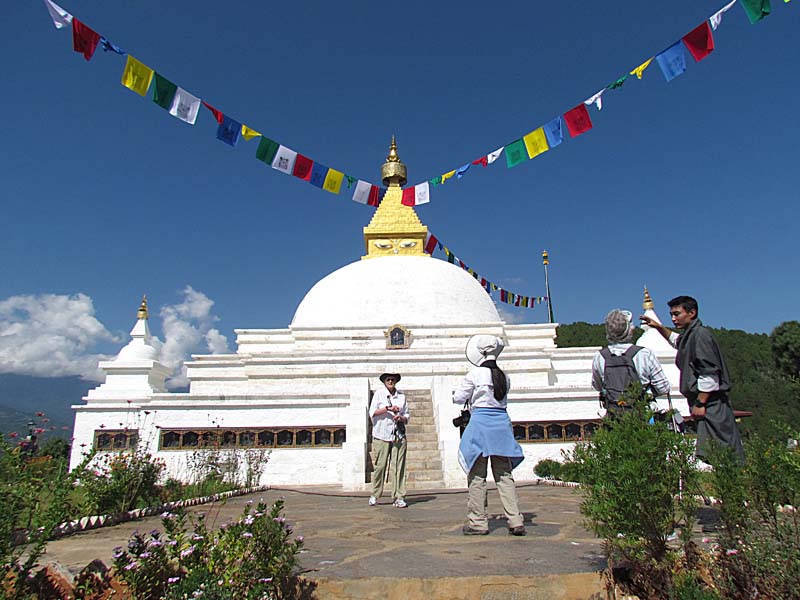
[704, 377]
[389, 413]
[616, 366]
[488, 435]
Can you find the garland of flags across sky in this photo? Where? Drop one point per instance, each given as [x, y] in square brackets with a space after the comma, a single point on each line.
[185, 106]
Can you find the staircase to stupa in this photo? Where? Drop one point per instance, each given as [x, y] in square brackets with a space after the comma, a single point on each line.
[423, 460]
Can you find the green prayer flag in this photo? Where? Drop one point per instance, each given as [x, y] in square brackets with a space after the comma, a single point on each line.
[164, 91]
[436, 181]
[617, 84]
[350, 180]
[451, 258]
[516, 153]
[756, 9]
[267, 149]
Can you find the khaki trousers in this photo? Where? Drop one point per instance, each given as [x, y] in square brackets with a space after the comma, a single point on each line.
[477, 501]
[383, 452]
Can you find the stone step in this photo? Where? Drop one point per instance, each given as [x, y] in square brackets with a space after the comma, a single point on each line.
[424, 475]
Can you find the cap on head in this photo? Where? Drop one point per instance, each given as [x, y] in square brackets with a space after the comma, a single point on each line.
[482, 347]
[619, 326]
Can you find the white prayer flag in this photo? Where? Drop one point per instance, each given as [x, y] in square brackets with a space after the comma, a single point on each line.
[597, 100]
[284, 160]
[493, 156]
[716, 18]
[422, 193]
[61, 18]
[185, 106]
[361, 193]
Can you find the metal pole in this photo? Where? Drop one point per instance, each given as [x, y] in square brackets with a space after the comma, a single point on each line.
[545, 262]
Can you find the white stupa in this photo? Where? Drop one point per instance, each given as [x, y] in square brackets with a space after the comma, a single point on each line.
[302, 393]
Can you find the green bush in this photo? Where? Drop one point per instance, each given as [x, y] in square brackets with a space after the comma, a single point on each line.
[121, 481]
[254, 557]
[548, 469]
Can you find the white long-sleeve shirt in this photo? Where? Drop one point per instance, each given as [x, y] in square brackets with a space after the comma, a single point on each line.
[383, 425]
[478, 389]
[644, 361]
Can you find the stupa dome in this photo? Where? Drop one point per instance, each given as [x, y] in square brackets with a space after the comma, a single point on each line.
[406, 290]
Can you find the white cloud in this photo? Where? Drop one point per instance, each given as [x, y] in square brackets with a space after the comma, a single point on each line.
[50, 335]
[513, 315]
[187, 328]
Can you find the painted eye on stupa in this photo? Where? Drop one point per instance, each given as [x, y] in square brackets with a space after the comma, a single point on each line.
[408, 244]
[383, 244]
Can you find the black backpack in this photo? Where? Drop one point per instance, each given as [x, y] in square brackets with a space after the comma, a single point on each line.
[618, 374]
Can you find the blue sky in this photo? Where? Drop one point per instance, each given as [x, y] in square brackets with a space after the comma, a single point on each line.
[688, 187]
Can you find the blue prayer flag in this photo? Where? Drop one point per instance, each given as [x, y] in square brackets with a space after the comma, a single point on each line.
[672, 61]
[461, 170]
[109, 47]
[318, 174]
[553, 132]
[229, 131]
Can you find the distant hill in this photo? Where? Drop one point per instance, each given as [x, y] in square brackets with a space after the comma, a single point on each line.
[22, 396]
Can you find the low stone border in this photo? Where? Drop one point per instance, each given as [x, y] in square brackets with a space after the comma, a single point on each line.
[98, 521]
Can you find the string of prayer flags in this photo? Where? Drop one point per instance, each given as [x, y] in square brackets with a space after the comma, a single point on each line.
[756, 9]
[716, 18]
[61, 18]
[639, 71]
[229, 131]
[699, 41]
[672, 61]
[578, 120]
[419, 194]
[185, 106]
[333, 181]
[248, 133]
[137, 76]
[302, 167]
[84, 39]
[164, 91]
[536, 142]
[516, 153]
[318, 174]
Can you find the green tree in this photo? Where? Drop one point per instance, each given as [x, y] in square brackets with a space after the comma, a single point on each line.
[785, 340]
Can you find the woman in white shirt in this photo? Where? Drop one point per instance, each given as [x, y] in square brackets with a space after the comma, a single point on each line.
[488, 435]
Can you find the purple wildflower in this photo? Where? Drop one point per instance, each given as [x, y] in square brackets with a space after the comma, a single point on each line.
[173, 579]
[187, 552]
[248, 520]
[247, 534]
[731, 552]
[131, 566]
[145, 554]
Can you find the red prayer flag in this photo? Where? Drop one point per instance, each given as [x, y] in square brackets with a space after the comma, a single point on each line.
[483, 160]
[302, 167]
[217, 114]
[431, 245]
[578, 120]
[84, 39]
[409, 197]
[374, 193]
[699, 41]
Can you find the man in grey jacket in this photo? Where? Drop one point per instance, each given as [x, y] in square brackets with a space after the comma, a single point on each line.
[705, 381]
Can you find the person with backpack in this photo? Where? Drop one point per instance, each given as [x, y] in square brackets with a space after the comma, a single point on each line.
[621, 363]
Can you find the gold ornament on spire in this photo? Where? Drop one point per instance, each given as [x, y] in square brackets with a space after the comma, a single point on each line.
[142, 314]
[545, 257]
[393, 171]
[395, 229]
[648, 301]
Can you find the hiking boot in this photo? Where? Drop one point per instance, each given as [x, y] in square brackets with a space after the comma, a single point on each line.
[400, 503]
[373, 500]
[467, 530]
[519, 530]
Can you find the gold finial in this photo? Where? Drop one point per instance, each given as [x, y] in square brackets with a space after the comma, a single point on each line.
[545, 258]
[393, 171]
[142, 314]
[648, 301]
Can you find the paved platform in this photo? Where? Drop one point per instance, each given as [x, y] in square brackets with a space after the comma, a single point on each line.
[356, 551]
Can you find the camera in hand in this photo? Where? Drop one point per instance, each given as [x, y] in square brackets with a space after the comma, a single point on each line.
[462, 420]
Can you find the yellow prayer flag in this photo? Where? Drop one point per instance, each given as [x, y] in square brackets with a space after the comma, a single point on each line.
[640, 69]
[447, 176]
[248, 134]
[333, 181]
[536, 142]
[137, 76]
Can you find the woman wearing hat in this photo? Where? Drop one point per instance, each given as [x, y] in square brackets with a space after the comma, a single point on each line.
[488, 435]
[389, 413]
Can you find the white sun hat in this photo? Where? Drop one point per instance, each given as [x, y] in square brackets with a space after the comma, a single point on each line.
[482, 347]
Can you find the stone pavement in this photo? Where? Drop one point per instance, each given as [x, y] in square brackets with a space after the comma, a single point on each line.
[356, 551]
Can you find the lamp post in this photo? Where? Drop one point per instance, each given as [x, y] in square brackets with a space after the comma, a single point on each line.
[545, 262]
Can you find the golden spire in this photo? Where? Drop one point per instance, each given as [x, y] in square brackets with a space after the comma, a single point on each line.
[648, 301]
[545, 258]
[395, 229]
[142, 314]
[393, 171]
